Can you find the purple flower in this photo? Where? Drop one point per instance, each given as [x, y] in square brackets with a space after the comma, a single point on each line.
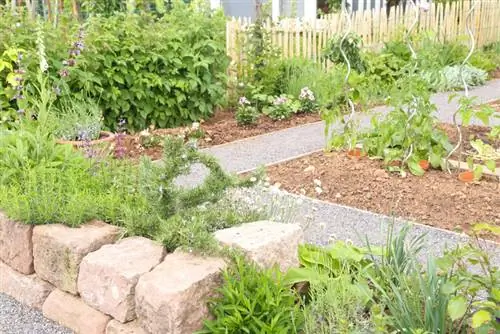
[20, 111]
[280, 100]
[64, 73]
[243, 101]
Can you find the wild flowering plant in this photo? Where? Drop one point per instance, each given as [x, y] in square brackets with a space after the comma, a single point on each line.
[282, 108]
[246, 113]
[307, 100]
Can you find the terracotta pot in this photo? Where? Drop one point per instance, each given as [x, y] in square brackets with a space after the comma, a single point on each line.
[355, 153]
[466, 176]
[100, 147]
[424, 164]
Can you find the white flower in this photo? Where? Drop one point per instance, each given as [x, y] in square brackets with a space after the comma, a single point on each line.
[319, 191]
[317, 182]
[253, 179]
[195, 126]
[43, 65]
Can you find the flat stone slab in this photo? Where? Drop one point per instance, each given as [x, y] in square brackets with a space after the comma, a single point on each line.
[266, 243]
[73, 313]
[16, 247]
[26, 289]
[116, 327]
[173, 297]
[58, 250]
[108, 276]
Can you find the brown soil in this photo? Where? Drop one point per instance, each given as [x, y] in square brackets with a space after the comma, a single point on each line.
[220, 129]
[437, 198]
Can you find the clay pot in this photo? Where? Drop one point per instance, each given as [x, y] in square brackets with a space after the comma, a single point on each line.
[355, 153]
[100, 146]
[466, 176]
[424, 164]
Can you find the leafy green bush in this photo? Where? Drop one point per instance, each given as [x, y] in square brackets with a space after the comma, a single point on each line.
[253, 300]
[163, 72]
[408, 132]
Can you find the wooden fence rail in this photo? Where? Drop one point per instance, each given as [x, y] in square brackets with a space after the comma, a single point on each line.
[306, 39]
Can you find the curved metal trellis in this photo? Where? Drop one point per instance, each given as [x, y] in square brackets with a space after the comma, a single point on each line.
[411, 112]
[347, 12]
[472, 47]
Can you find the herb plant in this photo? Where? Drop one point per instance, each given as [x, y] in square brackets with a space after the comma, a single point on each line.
[254, 300]
[351, 45]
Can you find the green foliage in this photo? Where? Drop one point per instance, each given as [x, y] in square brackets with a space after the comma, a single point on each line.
[408, 132]
[282, 108]
[351, 45]
[163, 72]
[246, 114]
[77, 120]
[451, 77]
[253, 300]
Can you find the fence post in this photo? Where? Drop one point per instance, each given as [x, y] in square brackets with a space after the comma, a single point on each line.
[276, 6]
[310, 9]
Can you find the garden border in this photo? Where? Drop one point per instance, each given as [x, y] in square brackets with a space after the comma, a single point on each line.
[91, 280]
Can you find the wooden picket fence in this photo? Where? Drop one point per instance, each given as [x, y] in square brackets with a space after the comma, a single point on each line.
[306, 39]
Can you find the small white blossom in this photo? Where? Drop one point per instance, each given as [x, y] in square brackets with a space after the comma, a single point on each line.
[195, 126]
[317, 182]
[318, 190]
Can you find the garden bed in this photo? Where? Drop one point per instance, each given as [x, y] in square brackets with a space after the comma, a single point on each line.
[437, 198]
[220, 129]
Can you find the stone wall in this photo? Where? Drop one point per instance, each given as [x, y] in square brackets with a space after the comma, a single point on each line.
[92, 280]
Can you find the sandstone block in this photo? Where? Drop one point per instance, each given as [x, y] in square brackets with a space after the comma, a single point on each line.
[16, 247]
[172, 298]
[27, 289]
[116, 327]
[73, 313]
[108, 276]
[58, 250]
[264, 242]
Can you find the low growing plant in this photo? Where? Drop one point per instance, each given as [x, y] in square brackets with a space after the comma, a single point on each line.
[254, 300]
[246, 114]
[307, 100]
[282, 108]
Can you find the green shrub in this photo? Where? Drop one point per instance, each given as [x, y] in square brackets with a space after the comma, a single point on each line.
[452, 77]
[163, 72]
[253, 300]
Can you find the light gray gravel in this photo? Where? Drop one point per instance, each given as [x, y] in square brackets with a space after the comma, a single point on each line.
[16, 318]
[322, 221]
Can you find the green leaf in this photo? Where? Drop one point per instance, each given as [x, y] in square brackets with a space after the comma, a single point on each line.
[480, 318]
[457, 306]
[491, 165]
[483, 117]
[448, 288]
[435, 160]
[415, 168]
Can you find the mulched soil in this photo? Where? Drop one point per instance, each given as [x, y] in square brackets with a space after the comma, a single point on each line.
[220, 129]
[437, 198]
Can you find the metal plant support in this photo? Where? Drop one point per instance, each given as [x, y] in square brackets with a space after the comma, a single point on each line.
[472, 42]
[347, 12]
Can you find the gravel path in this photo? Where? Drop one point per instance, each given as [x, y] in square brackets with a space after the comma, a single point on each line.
[321, 220]
[16, 318]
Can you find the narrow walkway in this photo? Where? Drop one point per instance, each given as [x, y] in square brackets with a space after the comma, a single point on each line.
[277, 146]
